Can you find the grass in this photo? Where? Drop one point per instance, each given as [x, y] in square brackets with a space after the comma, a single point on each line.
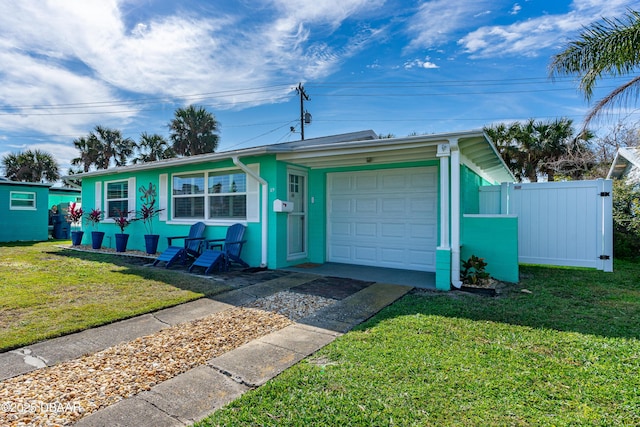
[568, 353]
[47, 291]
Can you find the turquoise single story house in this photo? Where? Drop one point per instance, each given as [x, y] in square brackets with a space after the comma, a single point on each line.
[64, 196]
[24, 211]
[405, 203]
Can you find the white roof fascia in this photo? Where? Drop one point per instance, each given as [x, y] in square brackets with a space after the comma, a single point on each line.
[189, 160]
[372, 145]
[226, 155]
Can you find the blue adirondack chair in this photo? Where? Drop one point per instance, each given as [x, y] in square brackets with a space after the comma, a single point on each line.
[190, 250]
[228, 251]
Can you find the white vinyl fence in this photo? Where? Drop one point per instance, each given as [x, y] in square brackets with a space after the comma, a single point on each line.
[559, 223]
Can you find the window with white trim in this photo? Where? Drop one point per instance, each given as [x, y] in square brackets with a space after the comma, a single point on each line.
[22, 200]
[210, 196]
[117, 198]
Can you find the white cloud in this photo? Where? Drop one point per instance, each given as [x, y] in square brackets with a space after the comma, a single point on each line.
[515, 9]
[179, 55]
[419, 63]
[57, 53]
[479, 14]
[530, 37]
[437, 21]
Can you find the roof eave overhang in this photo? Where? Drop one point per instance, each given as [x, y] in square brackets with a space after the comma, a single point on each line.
[181, 161]
[478, 151]
[624, 160]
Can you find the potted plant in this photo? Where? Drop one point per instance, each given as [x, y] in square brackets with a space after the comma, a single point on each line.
[74, 215]
[147, 213]
[93, 218]
[122, 221]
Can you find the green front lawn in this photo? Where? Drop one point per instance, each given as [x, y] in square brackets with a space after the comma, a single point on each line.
[46, 291]
[568, 353]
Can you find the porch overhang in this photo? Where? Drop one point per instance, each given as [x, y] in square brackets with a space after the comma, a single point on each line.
[476, 150]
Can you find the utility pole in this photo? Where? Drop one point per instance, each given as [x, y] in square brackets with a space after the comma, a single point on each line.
[303, 117]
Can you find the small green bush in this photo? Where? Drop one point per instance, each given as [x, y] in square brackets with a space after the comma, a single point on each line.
[473, 271]
[626, 220]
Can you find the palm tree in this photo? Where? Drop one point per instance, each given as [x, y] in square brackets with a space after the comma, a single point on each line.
[532, 149]
[153, 147]
[194, 131]
[608, 47]
[89, 148]
[503, 137]
[31, 166]
[112, 146]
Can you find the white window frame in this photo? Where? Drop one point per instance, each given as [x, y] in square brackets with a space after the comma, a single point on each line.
[206, 195]
[130, 198]
[22, 208]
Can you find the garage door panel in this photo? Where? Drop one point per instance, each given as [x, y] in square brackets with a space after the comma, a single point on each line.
[365, 254]
[392, 255]
[428, 179]
[341, 229]
[393, 205]
[425, 205]
[366, 229]
[366, 206]
[344, 182]
[365, 183]
[389, 230]
[393, 182]
[341, 206]
[340, 253]
[386, 217]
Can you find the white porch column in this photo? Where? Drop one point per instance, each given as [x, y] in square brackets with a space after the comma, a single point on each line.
[455, 213]
[444, 153]
[443, 251]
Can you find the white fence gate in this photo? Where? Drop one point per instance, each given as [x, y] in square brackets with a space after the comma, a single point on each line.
[559, 223]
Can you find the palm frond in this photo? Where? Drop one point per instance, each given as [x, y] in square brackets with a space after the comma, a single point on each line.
[611, 46]
[619, 96]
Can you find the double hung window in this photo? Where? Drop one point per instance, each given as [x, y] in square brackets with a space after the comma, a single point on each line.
[210, 196]
[117, 198]
[22, 200]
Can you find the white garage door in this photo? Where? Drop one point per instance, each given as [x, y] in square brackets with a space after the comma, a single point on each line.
[385, 218]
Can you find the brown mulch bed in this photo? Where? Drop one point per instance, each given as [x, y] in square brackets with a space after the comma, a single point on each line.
[62, 394]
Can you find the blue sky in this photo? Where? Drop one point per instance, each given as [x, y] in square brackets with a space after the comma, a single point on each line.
[392, 66]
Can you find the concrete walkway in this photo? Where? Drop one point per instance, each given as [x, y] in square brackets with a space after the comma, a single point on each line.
[197, 393]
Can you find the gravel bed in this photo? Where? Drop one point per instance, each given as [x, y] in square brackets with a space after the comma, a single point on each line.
[111, 251]
[293, 305]
[62, 394]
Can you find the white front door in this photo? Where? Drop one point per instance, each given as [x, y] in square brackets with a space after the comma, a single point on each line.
[297, 220]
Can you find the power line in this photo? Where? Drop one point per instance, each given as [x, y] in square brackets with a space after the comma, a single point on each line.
[279, 87]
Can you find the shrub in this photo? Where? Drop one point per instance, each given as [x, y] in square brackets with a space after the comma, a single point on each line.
[626, 220]
[473, 271]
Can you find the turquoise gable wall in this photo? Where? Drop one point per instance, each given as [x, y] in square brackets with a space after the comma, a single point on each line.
[27, 225]
[469, 193]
